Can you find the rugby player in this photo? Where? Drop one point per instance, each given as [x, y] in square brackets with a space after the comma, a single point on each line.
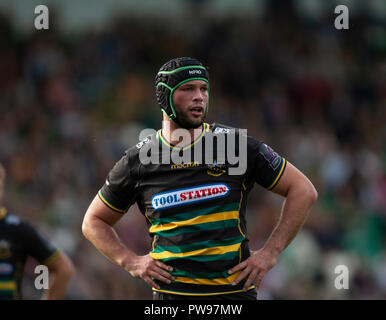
[18, 240]
[196, 210]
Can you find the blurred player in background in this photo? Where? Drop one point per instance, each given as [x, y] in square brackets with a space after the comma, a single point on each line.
[19, 240]
[195, 211]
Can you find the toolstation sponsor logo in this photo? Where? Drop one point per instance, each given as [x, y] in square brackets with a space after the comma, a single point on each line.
[189, 195]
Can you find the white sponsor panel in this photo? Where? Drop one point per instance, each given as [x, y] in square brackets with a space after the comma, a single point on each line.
[189, 195]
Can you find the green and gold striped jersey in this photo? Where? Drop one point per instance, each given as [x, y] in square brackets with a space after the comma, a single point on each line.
[195, 210]
[18, 240]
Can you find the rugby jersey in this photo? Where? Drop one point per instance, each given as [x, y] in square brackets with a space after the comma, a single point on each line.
[195, 210]
[18, 240]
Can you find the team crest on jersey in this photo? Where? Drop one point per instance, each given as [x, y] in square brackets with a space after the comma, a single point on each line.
[184, 196]
[5, 249]
[216, 169]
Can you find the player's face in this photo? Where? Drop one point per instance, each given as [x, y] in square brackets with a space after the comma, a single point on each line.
[190, 100]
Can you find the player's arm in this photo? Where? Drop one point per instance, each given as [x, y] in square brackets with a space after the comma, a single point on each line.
[61, 270]
[299, 195]
[97, 227]
[60, 267]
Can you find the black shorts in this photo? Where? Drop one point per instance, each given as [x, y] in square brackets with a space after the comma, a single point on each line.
[249, 295]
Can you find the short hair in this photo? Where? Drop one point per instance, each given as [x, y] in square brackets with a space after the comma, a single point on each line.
[2, 174]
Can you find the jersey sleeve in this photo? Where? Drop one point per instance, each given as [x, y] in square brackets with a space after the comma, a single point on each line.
[39, 247]
[119, 191]
[267, 166]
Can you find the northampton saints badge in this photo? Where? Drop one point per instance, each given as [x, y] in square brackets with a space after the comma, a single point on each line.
[216, 169]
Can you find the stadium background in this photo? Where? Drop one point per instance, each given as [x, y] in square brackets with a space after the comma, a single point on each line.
[73, 97]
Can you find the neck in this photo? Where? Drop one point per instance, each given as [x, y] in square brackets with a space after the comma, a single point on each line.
[175, 135]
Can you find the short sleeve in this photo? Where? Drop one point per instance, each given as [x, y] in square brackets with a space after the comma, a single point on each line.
[119, 190]
[39, 247]
[267, 165]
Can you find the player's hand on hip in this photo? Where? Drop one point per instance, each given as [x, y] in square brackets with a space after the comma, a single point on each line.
[148, 269]
[254, 268]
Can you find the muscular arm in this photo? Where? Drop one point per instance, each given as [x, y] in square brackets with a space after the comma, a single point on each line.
[98, 228]
[299, 195]
[61, 271]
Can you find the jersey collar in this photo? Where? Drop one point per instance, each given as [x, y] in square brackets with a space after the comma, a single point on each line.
[205, 127]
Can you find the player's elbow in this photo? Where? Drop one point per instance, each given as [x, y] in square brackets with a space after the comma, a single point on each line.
[68, 271]
[86, 227]
[305, 190]
[63, 267]
[69, 268]
[315, 194]
[89, 224]
[302, 189]
[310, 192]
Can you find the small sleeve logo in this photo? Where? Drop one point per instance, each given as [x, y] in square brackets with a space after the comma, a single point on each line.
[271, 156]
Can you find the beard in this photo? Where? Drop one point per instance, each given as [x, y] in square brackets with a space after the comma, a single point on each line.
[188, 122]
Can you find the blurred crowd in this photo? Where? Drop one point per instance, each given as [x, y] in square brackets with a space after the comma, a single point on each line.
[70, 104]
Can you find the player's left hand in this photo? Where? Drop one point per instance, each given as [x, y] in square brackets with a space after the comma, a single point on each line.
[255, 268]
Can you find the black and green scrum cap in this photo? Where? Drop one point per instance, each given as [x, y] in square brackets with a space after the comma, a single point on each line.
[173, 74]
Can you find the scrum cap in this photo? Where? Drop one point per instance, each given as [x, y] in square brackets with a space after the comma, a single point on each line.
[173, 74]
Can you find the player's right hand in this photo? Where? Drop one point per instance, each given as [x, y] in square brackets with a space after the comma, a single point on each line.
[148, 269]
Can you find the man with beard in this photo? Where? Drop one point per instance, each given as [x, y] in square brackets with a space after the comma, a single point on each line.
[195, 211]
